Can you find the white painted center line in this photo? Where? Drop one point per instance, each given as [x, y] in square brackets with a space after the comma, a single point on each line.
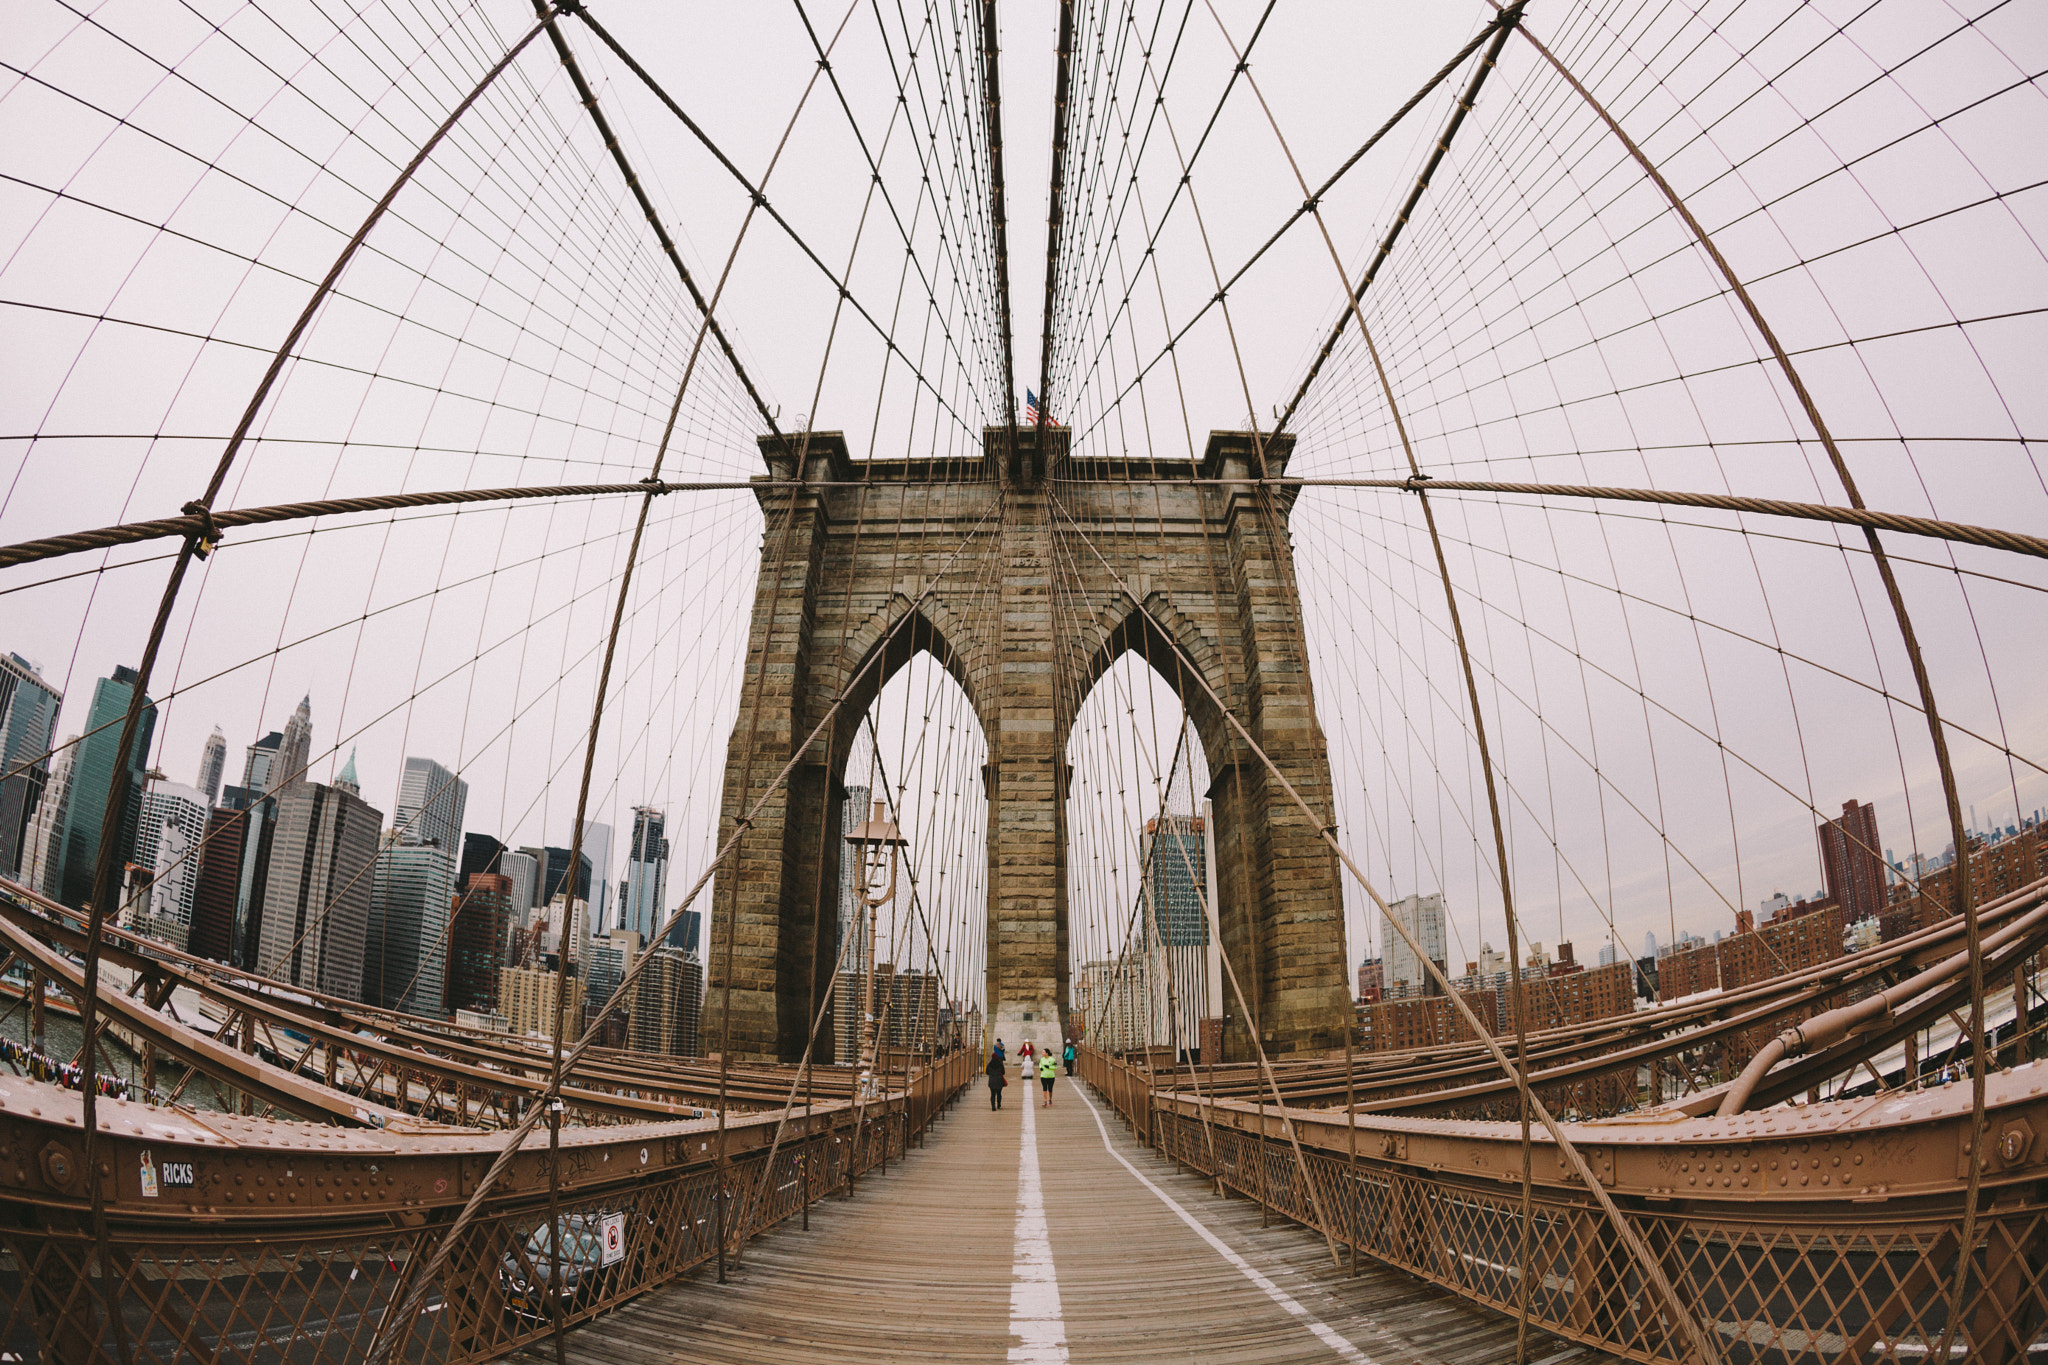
[1036, 1323]
[1328, 1335]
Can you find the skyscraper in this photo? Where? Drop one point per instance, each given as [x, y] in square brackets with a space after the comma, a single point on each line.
[92, 779]
[568, 928]
[555, 871]
[28, 712]
[852, 944]
[1850, 859]
[668, 1003]
[597, 846]
[1174, 857]
[527, 996]
[257, 761]
[1185, 964]
[640, 904]
[28, 723]
[524, 873]
[219, 884]
[913, 1010]
[480, 853]
[405, 957]
[1424, 917]
[316, 904]
[168, 843]
[431, 804]
[476, 943]
[213, 765]
[295, 748]
[237, 893]
[42, 845]
[611, 957]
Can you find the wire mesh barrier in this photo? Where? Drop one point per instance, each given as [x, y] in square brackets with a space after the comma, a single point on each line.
[1826, 1236]
[226, 1268]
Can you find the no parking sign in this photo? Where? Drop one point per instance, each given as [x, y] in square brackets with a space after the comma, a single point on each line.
[614, 1225]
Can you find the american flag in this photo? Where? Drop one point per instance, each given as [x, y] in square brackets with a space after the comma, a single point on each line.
[1030, 408]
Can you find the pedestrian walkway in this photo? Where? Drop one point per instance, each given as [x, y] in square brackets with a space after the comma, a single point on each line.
[1045, 1235]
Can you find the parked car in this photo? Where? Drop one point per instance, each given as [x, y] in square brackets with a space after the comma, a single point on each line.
[527, 1275]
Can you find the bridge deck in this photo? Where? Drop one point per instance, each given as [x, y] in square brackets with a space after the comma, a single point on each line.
[951, 1258]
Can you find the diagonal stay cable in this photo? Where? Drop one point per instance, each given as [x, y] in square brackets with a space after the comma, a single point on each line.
[999, 214]
[761, 201]
[1055, 210]
[1965, 904]
[118, 789]
[1507, 18]
[802, 1070]
[402, 1311]
[668, 246]
[1652, 1269]
[1307, 207]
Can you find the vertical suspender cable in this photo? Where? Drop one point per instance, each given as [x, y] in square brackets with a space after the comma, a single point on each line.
[1965, 902]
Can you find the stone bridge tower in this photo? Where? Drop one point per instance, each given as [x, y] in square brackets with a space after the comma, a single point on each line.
[1029, 608]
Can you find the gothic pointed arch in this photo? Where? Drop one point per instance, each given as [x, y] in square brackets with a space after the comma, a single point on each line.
[1188, 658]
[898, 632]
[966, 558]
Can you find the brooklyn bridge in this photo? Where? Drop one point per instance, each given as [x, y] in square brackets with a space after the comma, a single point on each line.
[1037, 682]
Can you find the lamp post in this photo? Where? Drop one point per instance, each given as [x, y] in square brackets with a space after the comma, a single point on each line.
[879, 843]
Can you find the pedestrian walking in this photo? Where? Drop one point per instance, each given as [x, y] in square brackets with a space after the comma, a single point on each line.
[1070, 1056]
[997, 1077]
[1048, 1072]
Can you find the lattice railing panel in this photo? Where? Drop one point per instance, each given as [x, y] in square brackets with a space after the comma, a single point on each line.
[192, 1292]
[1771, 1289]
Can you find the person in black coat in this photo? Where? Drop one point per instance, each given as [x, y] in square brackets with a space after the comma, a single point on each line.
[996, 1079]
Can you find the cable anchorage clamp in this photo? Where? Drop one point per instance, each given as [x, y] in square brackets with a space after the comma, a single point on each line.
[1414, 482]
[207, 537]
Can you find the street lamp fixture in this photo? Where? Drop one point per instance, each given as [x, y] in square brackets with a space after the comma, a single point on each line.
[880, 844]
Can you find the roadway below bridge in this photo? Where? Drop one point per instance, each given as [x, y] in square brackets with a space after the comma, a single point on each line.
[1046, 1235]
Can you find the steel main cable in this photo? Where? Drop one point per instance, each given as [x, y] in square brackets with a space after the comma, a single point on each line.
[316, 920]
[1965, 904]
[800, 470]
[272, 653]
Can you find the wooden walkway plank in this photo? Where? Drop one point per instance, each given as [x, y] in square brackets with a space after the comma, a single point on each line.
[921, 1265]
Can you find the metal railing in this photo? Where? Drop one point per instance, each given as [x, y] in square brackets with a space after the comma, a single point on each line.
[1818, 1233]
[263, 1251]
